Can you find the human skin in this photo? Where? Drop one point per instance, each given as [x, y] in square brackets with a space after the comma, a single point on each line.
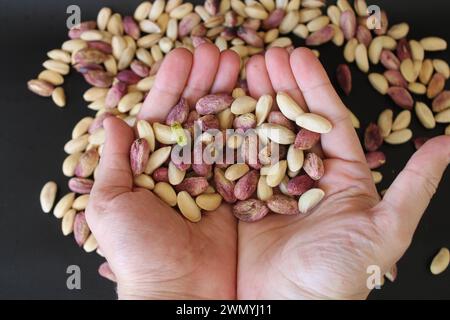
[155, 253]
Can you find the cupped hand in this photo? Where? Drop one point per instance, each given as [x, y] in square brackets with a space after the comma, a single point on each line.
[326, 254]
[151, 249]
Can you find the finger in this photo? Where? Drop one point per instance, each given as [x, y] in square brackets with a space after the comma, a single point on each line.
[321, 98]
[114, 176]
[227, 72]
[168, 87]
[281, 76]
[406, 200]
[203, 72]
[257, 77]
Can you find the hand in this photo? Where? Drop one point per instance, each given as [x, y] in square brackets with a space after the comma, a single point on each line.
[151, 249]
[326, 254]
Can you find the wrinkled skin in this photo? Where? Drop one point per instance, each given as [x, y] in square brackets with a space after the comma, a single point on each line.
[155, 253]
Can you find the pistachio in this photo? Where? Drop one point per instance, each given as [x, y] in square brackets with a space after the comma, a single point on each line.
[348, 24]
[161, 175]
[264, 192]
[87, 163]
[81, 185]
[379, 82]
[59, 55]
[425, 115]
[310, 199]
[443, 116]
[314, 123]
[389, 60]
[375, 159]
[426, 71]
[288, 106]
[295, 158]
[63, 205]
[48, 196]
[115, 94]
[246, 186]
[76, 31]
[236, 171]
[81, 229]
[395, 78]
[250, 210]
[402, 121]
[350, 50]
[321, 36]
[50, 77]
[440, 261]
[128, 77]
[224, 186]
[194, 185]
[433, 44]
[403, 50]
[213, 104]
[299, 185]
[419, 142]
[276, 133]
[312, 26]
[407, 70]
[385, 121]
[188, 207]
[41, 87]
[276, 173]
[68, 221]
[436, 85]
[441, 102]
[242, 105]
[250, 36]
[57, 66]
[157, 158]
[276, 117]
[442, 67]
[361, 57]
[401, 97]
[399, 137]
[372, 138]
[178, 113]
[144, 181]
[188, 23]
[98, 78]
[398, 31]
[139, 156]
[166, 193]
[209, 202]
[306, 139]
[262, 109]
[283, 204]
[417, 50]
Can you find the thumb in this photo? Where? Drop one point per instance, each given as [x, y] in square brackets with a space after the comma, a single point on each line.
[114, 176]
[408, 197]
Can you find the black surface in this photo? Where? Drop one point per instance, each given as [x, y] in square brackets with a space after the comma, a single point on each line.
[35, 254]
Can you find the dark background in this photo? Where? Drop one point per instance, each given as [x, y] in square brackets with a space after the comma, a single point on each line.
[34, 255]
